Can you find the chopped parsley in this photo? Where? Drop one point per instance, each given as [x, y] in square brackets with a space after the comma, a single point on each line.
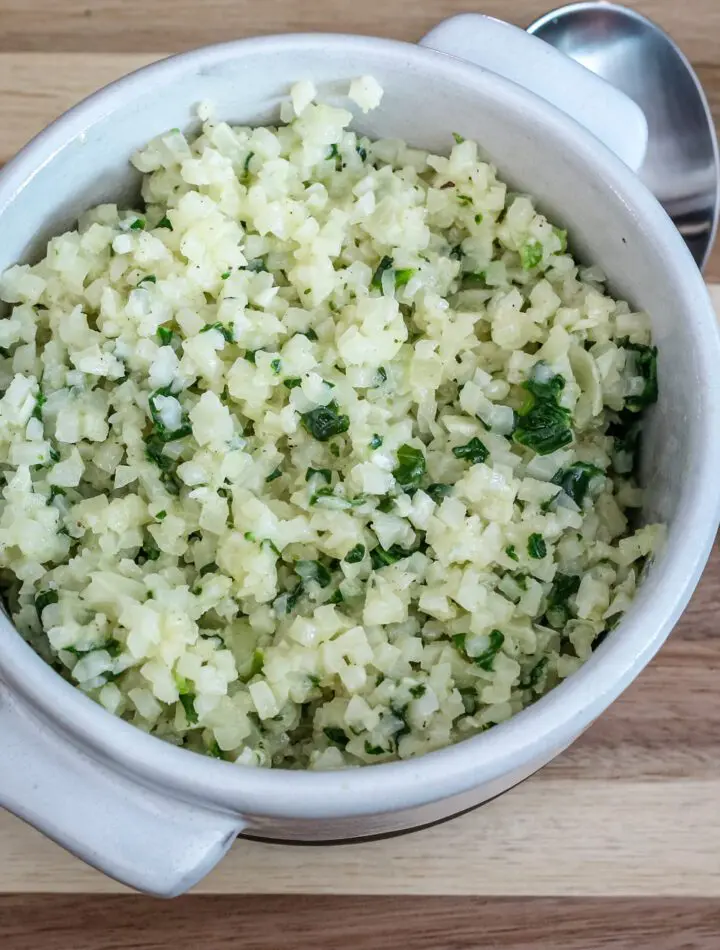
[381, 557]
[437, 491]
[356, 554]
[336, 736]
[511, 552]
[542, 424]
[410, 468]
[385, 264]
[276, 473]
[227, 333]
[160, 429]
[165, 335]
[558, 609]
[40, 401]
[486, 659]
[148, 279]
[138, 225]
[44, 599]
[165, 222]
[313, 571]
[537, 548]
[376, 441]
[643, 362]
[275, 366]
[474, 451]
[576, 480]
[325, 422]
[371, 749]
[531, 254]
[188, 704]
[458, 138]
[292, 382]
[323, 473]
[403, 276]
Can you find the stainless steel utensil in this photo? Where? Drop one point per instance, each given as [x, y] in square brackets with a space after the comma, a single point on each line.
[635, 55]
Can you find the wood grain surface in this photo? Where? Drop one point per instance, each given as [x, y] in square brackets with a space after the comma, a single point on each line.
[615, 845]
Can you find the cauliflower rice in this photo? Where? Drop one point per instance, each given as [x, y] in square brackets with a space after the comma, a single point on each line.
[325, 456]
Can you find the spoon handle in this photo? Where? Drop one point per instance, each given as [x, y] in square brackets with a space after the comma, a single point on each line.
[512, 53]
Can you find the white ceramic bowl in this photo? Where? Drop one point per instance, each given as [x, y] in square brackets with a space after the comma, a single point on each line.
[158, 817]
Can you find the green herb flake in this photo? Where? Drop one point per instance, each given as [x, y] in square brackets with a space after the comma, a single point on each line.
[371, 749]
[226, 332]
[531, 254]
[325, 422]
[437, 491]
[562, 237]
[643, 361]
[537, 548]
[410, 468]
[536, 674]
[165, 222]
[575, 480]
[376, 441]
[336, 736]
[292, 382]
[188, 704]
[486, 660]
[356, 554]
[380, 557]
[542, 424]
[403, 276]
[161, 515]
[417, 691]
[511, 552]
[323, 473]
[40, 401]
[44, 599]
[313, 571]
[558, 608]
[464, 199]
[215, 751]
[160, 430]
[246, 163]
[148, 279]
[275, 366]
[276, 473]
[458, 138]
[478, 218]
[165, 335]
[474, 451]
[138, 225]
[385, 264]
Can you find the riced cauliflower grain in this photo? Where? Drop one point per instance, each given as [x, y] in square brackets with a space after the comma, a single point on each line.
[324, 455]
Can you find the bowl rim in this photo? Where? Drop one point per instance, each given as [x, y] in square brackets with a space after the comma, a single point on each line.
[535, 733]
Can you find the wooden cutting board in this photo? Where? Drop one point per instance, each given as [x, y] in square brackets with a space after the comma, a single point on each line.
[616, 844]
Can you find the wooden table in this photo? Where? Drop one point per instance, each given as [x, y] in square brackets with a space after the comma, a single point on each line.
[615, 845]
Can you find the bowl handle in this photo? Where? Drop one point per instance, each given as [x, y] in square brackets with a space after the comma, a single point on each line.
[135, 834]
[510, 52]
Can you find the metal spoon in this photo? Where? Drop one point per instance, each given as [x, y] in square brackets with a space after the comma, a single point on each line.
[636, 56]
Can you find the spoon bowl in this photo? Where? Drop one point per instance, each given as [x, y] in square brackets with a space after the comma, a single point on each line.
[636, 56]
